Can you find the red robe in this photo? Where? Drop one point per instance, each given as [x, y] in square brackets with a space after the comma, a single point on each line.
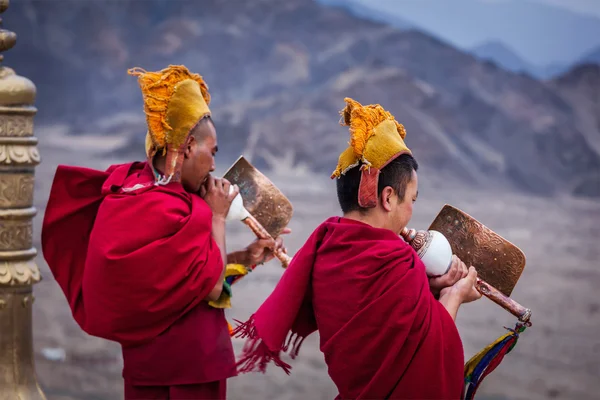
[383, 333]
[135, 262]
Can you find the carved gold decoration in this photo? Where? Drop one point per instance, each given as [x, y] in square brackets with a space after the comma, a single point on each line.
[15, 235]
[18, 270]
[16, 229]
[19, 154]
[16, 125]
[16, 189]
[19, 273]
[28, 301]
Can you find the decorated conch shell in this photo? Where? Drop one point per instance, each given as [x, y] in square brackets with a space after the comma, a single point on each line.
[433, 249]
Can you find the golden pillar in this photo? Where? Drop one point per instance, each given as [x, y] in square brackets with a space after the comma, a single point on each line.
[18, 272]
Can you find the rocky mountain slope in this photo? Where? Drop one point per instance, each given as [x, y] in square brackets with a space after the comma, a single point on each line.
[592, 57]
[506, 58]
[279, 71]
[581, 88]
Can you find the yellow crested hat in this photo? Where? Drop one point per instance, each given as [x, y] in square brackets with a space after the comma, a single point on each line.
[175, 100]
[376, 138]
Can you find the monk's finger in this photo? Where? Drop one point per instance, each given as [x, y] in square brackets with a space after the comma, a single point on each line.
[210, 183]
[268, 257]
[225, 187]
[454, 262]
[463, 269]
[278, 243]
[454, 269]
[234, 192]
[268, 243]
[472, 275]
[202, 191]
[285, 231]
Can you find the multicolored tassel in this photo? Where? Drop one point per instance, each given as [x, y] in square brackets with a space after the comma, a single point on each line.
[486, 361]
[233, 272]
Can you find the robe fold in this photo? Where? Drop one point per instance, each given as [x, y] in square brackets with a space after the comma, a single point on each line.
[135, 262]
[381, 330]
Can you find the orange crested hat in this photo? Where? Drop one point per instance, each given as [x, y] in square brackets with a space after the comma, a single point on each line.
[376, 138]
[175, 100]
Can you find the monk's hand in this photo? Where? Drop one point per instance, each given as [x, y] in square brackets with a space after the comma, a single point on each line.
[217, 196]
[263, 250]
[464, 289]
[457, 271]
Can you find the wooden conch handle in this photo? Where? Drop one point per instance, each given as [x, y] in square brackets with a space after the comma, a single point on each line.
[262, 233]
[522, 313]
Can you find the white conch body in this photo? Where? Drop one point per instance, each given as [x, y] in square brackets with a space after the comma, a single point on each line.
[237, 211]
[436, 254]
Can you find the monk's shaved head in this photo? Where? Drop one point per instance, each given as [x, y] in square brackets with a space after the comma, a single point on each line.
[397, 174]
[201, 131]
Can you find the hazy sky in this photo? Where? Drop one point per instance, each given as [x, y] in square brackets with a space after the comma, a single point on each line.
[581, 6]
[541, 32]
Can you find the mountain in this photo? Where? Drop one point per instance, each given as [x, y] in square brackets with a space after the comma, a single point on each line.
[543, 34]
[506, 58]
[592, 57]
[278, 73]
[503, 56]
[581, 88]
[357, 9]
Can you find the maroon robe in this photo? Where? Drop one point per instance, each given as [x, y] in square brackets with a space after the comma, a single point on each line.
[136, 262]
[382, 332]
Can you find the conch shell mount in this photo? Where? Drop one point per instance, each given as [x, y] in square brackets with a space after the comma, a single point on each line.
[498, 262]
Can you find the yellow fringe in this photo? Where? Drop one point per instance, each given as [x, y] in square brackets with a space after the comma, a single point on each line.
[157, 89]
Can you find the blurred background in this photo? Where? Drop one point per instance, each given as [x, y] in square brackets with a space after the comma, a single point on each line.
[500, 98]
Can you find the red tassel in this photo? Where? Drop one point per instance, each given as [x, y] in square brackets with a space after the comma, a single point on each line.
[288, 341]
[297, 343]
[256, 354]
[245, 329]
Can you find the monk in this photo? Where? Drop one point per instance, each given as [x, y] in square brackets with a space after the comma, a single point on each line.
[387, 330]
[139, 249]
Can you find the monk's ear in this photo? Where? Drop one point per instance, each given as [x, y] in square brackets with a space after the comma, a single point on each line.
[190, 142]
[387, 196]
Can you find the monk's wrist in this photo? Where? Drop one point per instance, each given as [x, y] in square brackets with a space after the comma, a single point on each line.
[451, 293]
[219, 219]
[238, 257]
[451, 300]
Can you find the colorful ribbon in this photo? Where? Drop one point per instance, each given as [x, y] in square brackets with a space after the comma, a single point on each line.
[486, 361]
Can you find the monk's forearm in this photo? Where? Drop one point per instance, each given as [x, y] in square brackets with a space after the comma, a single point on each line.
[218, 234]
[451, 303]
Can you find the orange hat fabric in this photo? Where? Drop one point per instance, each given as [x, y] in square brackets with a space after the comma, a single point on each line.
[376, 138]
[175, 100]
